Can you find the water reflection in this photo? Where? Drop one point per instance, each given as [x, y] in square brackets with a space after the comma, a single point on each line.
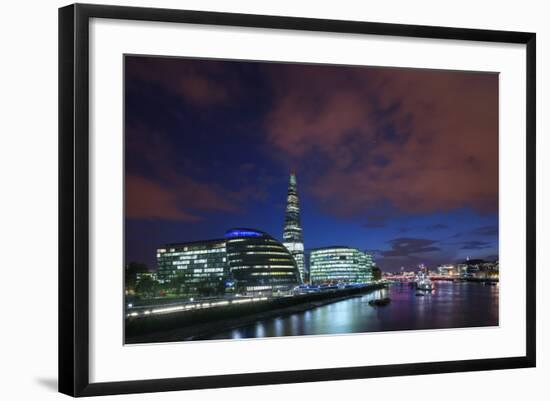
[449, 305]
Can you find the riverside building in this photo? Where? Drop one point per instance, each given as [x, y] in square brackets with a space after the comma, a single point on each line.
[340, 264]
[197, 268]
[260, 264]
[245, 261]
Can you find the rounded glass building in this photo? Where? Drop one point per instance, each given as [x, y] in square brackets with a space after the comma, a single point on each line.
[259, 264]
[340, 264]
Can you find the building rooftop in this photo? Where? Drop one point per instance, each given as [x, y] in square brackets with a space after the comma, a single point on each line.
[181, 244]
[333, 247]
[244, 232]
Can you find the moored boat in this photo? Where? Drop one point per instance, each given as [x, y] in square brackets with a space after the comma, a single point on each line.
[423, 283]
[379, 302]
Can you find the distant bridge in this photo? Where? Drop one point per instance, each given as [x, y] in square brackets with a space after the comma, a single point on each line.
[437, 277]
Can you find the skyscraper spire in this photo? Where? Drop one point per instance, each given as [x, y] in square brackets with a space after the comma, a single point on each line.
[292, 235]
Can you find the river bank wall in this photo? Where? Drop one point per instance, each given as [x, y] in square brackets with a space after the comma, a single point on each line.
[194, 324]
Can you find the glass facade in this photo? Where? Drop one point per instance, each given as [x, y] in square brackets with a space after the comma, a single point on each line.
[197, 268]
[340, 265]
[292, 233]
[247, 261]
[259, 263]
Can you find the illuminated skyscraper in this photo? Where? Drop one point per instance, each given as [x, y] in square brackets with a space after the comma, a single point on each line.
[293, 239]
[340, 264]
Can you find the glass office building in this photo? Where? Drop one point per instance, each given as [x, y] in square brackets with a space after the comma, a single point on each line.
[245, 261]
[197, 268]
[340, 264]
[259, 264]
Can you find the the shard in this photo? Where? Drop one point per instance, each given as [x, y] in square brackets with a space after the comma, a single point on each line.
[292, 235]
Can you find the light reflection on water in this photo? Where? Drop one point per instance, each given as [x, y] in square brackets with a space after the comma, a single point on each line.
[450, 305]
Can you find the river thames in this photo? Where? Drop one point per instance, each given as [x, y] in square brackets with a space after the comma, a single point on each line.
[449, 305]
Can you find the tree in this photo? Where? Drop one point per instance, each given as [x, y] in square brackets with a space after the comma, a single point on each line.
[146, 287]
[376, 274]
[130, 272]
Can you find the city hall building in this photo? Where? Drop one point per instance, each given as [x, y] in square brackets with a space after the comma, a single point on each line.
[340, 264]
[259, 263]
[246, 261]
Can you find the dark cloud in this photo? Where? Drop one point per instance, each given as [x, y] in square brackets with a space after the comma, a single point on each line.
[474, 245]
[421, 140]
[486, 230]
[431, 227]
[181, 199]
[168, 192]
[199, 90]
[199, 83]
[401, 247]
[146, 199]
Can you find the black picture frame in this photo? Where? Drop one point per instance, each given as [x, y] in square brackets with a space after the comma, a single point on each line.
[74, 198]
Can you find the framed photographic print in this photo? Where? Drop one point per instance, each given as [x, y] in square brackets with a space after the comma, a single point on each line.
[249, 199]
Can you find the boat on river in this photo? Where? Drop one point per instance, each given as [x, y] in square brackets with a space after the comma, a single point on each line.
[379, 302]
[423, 283]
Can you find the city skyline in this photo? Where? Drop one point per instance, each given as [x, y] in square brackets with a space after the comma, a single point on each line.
[351, 133]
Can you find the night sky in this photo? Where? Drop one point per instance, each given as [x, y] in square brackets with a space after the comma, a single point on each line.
[400, 162]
